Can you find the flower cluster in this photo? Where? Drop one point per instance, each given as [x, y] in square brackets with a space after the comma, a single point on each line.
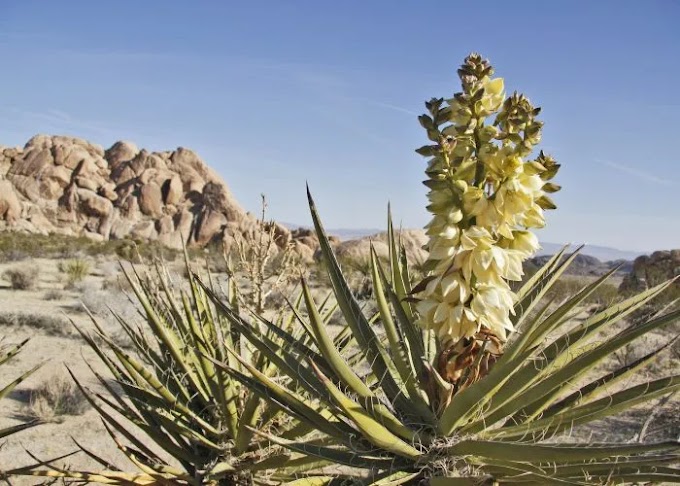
[485, 196]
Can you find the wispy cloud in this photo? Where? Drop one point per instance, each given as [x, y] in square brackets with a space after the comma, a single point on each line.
[58, 121]
[642, 174]
[363, 101]
[392, 107]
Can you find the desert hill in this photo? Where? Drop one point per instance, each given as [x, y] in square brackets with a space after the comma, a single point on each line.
[66, 185]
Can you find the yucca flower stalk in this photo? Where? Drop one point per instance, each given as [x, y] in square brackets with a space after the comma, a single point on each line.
[485, 196]
[176, 415]
[384, 400]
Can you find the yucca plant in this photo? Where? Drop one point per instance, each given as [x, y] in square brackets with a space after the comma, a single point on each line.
[465, 378]
[175, 415]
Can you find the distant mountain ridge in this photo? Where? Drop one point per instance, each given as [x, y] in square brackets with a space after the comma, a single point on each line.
[602, 253]
[344, 234]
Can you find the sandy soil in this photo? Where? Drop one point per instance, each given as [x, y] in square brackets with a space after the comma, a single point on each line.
[61, 347]
[58, 349]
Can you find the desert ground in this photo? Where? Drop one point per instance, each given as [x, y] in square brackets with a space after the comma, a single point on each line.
[46, 311]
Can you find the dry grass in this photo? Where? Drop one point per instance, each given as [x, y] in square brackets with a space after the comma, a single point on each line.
[24, 277]
[54, 399]
[54, 294]
[75, 271]
[49, 324]
[16, 246]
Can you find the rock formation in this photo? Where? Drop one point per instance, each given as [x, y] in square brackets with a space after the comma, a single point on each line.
[651, 270]
[67, 185]
[359, 250]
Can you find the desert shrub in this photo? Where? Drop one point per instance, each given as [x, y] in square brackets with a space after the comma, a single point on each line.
[75, 271]
[55, 398]
[259, 266]
[117, 283]
[358, 272]
[12, 256]
[15, 245]
[53, 294]
[24, 277]
[49, 324]
[567, 287]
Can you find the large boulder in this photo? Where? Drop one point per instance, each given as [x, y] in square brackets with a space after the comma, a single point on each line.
[10, 207]
[359, 250]
[93, 205]
[173, 191]
[121, 152]
[151, 200]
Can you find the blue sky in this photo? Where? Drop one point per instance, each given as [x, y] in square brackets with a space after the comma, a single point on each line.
[273, 94]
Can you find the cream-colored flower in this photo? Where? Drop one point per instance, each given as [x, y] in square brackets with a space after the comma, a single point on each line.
[524, 242]
[460, 115]
[454, 288]
[460, 323]
[493, 305]
[493, 97]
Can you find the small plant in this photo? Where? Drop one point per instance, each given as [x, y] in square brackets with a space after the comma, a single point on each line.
[267, 268]
[53, 294]
[24, 277]
[52, 325]
[75, 271]
[55, 398]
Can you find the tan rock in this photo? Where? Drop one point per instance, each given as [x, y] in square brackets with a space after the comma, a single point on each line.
[108, 191]
[144, 230]
[359, 251]
[93, 236]
[86, 183]
[282, 235]
[77, 157]
[60, 174]
[194, 184]
[86, 167]
[305, 252]
[172, 240]
[10, 207]
[184, 222]
[123, 173]
[120, 229]
[27, 186]
[151, 200]
[40, 141]
[129, 208]
[121, 152]
[172, 190]
[50, 189]
[165, 225]
[40, 221]
[145, 160]
[211, 224]
[32, 163]
[93, 205]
